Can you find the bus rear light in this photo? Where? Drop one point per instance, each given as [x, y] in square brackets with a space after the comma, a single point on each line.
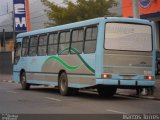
[106, 76]
[148, 77]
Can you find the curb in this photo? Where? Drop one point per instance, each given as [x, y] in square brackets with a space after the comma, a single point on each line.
[142, 97]
[9, 81]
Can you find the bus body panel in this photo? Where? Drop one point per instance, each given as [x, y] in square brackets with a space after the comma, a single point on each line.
[118, 65]
[45, 69]
[126, 83]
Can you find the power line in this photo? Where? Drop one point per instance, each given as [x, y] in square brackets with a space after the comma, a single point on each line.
[114, 8]
[7, 29]
[7, 8]
[118, 8]
[36, 22]
[33, 2]
[42, 10]
[6, 13]
[6, 25]
[36, 11]
[39, 16]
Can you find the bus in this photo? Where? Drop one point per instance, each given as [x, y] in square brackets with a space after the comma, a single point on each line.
[103, 53]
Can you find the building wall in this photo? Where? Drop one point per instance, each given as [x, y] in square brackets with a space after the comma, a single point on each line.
[153, 7]
[8, 47]
[117, 9]
[127, 8]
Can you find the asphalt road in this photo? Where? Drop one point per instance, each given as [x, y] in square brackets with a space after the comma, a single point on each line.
[42, 100]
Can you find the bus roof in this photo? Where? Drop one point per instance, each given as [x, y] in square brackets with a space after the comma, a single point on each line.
[80, 24]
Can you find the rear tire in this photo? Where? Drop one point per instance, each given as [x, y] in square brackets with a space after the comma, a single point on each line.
[23, 81]
[106, 91]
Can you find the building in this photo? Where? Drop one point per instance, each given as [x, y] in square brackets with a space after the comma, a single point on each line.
[6, 45]
[148, 9]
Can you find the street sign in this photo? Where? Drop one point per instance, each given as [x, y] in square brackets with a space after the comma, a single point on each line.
[145, 3]
[20, 15]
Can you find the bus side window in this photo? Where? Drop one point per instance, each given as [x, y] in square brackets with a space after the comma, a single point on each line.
[53, 44]
[17, 52]
[90, 39]
[42, 47]
[25, 46]
[64, 43]
[33, 46]
[77, 41]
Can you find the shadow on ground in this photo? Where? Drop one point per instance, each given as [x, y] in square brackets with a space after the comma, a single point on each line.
[83, 94]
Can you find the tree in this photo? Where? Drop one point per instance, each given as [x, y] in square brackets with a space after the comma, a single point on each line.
[81, 10]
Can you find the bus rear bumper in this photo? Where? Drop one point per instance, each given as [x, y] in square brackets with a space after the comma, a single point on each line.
[125, 82]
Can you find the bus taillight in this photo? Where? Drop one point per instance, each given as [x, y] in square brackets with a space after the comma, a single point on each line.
[148, 77]
[106, 76]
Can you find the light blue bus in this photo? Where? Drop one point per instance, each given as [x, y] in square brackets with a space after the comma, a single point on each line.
[103, 53]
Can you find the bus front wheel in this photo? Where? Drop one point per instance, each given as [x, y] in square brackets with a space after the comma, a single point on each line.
[23, 81]
[106, 91]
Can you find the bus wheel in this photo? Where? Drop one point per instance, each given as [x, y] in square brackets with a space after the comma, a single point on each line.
[106, 91]
[23, 81]
[63, 84]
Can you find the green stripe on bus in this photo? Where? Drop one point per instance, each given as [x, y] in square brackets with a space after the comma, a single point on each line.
[63, 63]
[69, 66]
[80, 57]
[84, 62]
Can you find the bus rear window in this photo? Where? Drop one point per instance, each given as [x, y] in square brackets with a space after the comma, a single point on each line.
[125, 36]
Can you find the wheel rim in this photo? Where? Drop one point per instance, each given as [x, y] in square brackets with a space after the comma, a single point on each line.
[63, 83]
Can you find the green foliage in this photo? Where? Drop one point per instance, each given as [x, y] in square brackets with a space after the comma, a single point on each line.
[81, 10]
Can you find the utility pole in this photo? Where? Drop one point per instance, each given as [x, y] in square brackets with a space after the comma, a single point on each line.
[3, 41]
[7, 7]
[135, 8]
[4, 38]
[13, 20]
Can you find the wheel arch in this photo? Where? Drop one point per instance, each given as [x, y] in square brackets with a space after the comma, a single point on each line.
[21, 71]
[61, 72]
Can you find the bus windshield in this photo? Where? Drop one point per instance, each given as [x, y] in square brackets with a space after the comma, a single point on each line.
[130, 37]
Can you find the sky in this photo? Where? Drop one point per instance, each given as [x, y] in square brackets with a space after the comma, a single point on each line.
[38, 16]
[5, 16]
